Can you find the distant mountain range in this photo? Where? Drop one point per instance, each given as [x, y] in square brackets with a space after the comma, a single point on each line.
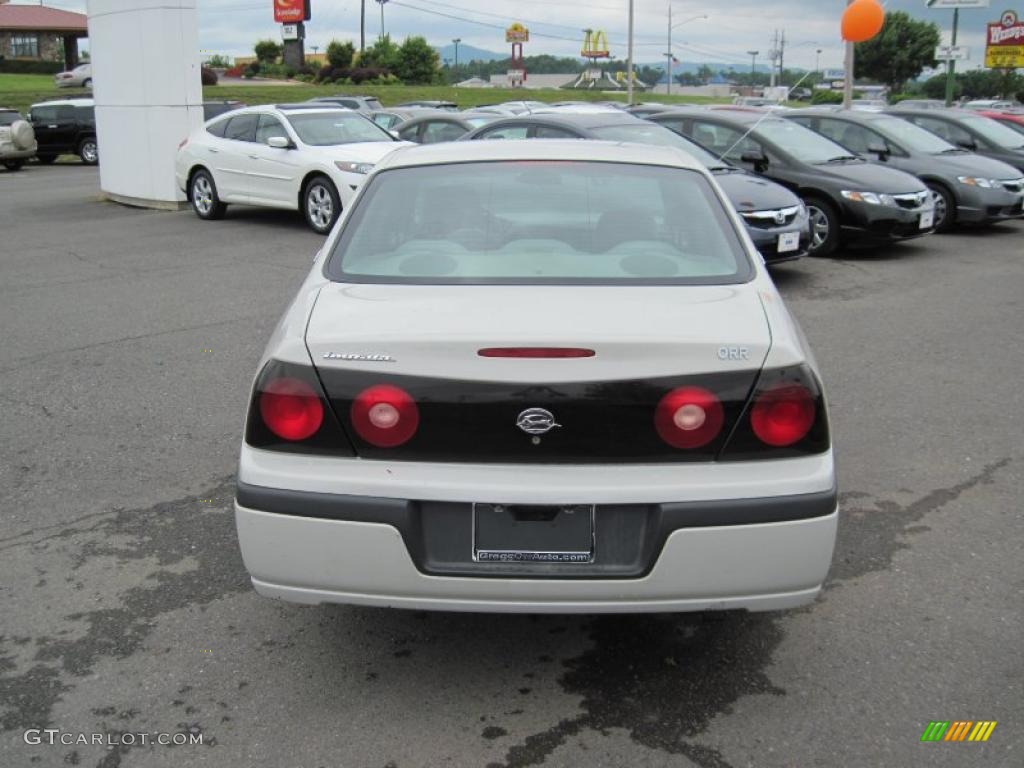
[468, 53]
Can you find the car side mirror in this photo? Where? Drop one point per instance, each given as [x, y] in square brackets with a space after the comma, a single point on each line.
[279, 142]
[395, 135]
[756, 157]
[879, 149]
[967, 144]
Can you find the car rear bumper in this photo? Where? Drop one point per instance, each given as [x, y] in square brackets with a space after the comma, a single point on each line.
[9, 153]
[750, 535]
[759, 567]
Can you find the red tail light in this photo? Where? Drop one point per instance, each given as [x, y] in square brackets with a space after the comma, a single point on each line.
[291, 409]
[689, 417]
[783, 415]
[385, 416]
[542, 352]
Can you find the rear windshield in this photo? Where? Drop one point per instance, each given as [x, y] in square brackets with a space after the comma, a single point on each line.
[652, 133]
[539, 222]
[324, 129]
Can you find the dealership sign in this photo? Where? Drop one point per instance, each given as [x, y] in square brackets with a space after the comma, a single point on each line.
[291, 11]
[1004, 45]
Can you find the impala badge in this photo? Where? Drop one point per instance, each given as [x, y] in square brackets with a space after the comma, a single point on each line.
[358, 358]
[536, 421]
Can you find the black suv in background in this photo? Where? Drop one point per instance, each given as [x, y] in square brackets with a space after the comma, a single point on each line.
[65, 128]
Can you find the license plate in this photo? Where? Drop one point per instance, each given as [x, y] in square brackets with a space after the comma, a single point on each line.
[789, 241]
[528, 533]
[927, 219]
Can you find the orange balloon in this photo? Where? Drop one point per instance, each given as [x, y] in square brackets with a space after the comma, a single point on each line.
[862, 20]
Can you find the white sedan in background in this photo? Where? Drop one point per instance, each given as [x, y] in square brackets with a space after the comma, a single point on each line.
[538, 376]
[79, 77]
[310, 158]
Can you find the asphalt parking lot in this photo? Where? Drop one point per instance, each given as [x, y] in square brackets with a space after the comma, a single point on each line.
[129, 341]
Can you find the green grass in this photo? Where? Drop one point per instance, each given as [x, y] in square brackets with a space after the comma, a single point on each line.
[20, 91]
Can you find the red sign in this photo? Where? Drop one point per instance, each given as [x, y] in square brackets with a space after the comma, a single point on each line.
[1009, 30]
[290, 11]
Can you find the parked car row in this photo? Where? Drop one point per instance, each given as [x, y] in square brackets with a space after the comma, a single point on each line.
[804, 182]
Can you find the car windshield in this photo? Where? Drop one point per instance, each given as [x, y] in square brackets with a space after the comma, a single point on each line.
[1018, 127]
[651, 133]
[531, 221]
[994, 131]
[9, 118]
[324, 129]
[800, 142]
[911, 136]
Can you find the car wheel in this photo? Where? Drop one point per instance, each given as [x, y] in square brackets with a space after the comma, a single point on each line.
[89, 151]
[203, 195]
[13, 165]
[321, 204]
[945, 208]
[87, 83]
[46, 159]
[824, 227]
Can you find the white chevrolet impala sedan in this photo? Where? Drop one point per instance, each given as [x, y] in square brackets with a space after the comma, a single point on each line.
[543, 376]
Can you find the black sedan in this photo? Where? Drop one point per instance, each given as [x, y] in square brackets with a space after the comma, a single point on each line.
[847, 197]
[440, 126]
[970, 131]
[776, 219]
[967, 188]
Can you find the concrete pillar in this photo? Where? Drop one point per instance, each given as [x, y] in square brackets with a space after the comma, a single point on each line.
[146, 83]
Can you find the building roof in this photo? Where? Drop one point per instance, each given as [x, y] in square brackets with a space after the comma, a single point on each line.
[39, 18]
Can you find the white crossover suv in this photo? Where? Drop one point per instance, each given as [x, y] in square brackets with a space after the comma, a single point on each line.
[309, 157]
[518, 378]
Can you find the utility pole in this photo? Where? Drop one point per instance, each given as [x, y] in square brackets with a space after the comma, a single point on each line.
[817, 62]
[951, 64]
[629, 60]
[456, 40]
[782, 51]
[362, 26]
[773, 54]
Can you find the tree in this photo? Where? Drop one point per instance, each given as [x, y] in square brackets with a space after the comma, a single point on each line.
[340, 54]
[267, 51]
[705, 73]
[900, 52]
[383, 54]
[418, 62]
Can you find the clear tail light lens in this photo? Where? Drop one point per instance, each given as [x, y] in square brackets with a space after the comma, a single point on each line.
[291, 408]
[689, 417]
[783, 415]
[385, 416]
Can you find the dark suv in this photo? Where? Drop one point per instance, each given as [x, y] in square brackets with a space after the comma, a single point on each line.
[65, 128]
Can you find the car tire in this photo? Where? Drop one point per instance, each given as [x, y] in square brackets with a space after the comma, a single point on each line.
[13, 165]
[89, 151]
[321, 204]
[824, 226]
[945, 207]
[87, 83]
[202, 193]
[46, 159]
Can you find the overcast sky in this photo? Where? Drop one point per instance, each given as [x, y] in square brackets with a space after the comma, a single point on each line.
[733, 26]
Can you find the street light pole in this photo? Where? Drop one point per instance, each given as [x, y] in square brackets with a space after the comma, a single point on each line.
[753, 64]
[456, 40]
[629, 60]
[668, 54]
[382, 3]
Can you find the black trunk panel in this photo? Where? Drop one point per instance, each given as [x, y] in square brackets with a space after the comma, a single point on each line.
[601, 422]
